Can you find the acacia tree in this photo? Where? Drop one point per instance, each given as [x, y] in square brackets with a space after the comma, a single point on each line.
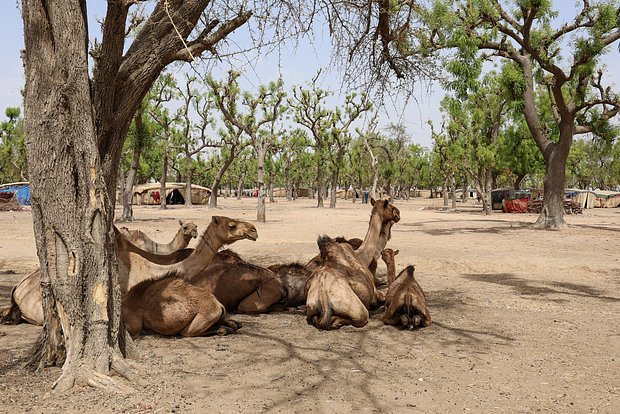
[230, 145]
[573, 81]
[193, 135]
[259, 120]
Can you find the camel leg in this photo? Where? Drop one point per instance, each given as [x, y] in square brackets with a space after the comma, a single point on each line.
[263, 298]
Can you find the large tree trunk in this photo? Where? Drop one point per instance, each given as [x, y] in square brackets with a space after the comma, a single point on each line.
[518, 180]
[72, 210]
[319, 184]
[552, 214]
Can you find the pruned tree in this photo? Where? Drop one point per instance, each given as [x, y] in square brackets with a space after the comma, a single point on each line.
[12, 147]
[259, 119]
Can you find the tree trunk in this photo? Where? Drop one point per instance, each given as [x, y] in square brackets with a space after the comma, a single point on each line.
[334, 186]
[240, 187]
[72, 210]
[162, 186]
[127, 194]
[518, 181]
[552, 214]
[260, 180]
[188, 184]
[319, 184]
[445, 192]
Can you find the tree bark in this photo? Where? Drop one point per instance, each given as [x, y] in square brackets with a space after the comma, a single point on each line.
[127, 199]
[162, 181]
[72, 210]
[334, 186]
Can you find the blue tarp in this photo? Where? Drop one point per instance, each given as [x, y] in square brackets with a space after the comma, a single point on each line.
[22, 193]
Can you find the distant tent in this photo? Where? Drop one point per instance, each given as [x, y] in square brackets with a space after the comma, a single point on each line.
[175, 194]
[21, 191]
[585, 198]
[607, 199]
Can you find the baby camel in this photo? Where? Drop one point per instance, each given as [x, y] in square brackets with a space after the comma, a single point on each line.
[405, 302]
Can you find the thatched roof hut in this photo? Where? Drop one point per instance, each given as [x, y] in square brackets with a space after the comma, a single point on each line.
[175, 194]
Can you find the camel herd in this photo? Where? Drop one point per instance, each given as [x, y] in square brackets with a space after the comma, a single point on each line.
[170, 289]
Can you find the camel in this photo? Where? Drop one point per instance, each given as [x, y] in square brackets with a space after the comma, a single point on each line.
[388, 257]
[405, 302]
[134, 267]
[342, 289]
[172, 306]
[294, 277]
[241, 287]
[186, 233]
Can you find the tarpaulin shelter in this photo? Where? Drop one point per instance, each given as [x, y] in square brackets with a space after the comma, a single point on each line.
[607, 199]
[510, 200]
[20, 190]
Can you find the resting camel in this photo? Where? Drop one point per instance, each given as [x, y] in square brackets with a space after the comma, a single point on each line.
[172, 306]
[294, 277]
[390, 262]
[341, 290]
[134, 267]
[241, 287]
[405, 302]
[186, 233]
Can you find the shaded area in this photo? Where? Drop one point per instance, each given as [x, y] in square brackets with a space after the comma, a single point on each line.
[477, 227]
[541, 289]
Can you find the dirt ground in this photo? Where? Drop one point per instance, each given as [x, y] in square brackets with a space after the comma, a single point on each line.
[523, 321]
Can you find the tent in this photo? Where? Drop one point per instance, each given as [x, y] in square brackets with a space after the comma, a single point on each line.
[585, 198]
[175, 194]
[607, 199]
[21, 191]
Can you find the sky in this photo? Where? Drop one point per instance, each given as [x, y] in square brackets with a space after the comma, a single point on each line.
[296, 66]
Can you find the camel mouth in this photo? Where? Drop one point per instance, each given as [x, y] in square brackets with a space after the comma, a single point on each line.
[252, 236]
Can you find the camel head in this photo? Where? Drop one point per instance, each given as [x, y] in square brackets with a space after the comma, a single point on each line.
[189, 229]
[229, 230]
[388, 255]
[387, 210]
[333, 251]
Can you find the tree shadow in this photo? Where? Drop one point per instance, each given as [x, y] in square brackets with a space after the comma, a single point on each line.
[504, 227]
[538, 289]
[594, 227]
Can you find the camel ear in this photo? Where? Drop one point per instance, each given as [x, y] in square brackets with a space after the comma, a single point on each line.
[396, 252]
[181, 222]
[410, 270]
[372, 201]
[385, 203]
[214, 220]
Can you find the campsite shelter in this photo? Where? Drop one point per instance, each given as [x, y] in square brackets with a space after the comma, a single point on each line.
[510, 200]
[585, 198]
[607, 199]
[21, 191]
[175, 194]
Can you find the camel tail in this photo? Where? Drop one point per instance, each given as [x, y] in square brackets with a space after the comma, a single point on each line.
[11, 315]
[325, 310]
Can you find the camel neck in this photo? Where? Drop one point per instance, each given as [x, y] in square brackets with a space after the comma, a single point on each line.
[180, 241]
[391, 271]
[369, 249]
[203, 254]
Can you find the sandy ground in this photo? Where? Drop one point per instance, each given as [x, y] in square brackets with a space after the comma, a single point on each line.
[523, 321]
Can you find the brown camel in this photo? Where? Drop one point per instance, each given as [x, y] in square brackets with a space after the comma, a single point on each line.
[241, 287]
[135, 267]
[405, 302]
[294, 277]
[342, 289]
[172, 306]
[186, 233]
[390, 262]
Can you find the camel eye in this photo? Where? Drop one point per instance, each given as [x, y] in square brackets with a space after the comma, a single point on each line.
[231, 225]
